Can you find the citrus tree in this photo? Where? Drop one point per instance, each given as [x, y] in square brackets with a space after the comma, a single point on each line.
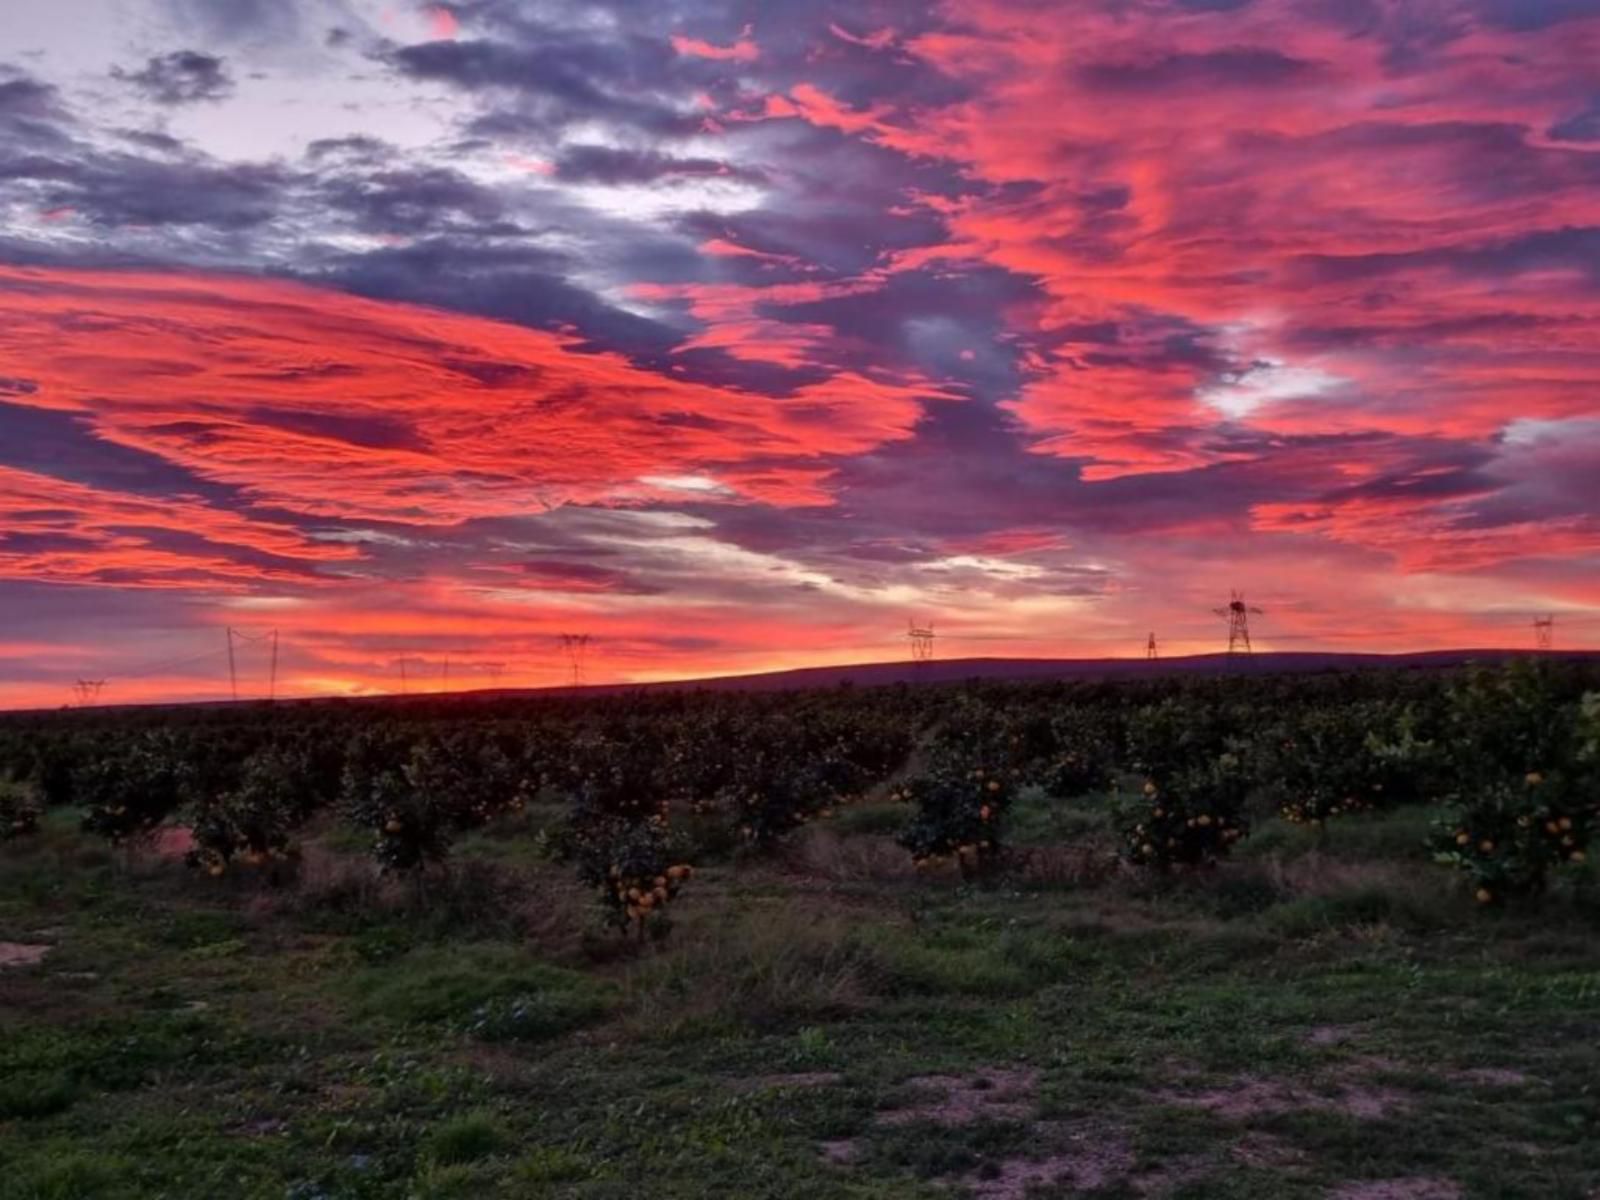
[960, 815]
[129, 791]
[20, 809]
[1527, 781]
[635, 867]
[254, 822]
[1194, 816]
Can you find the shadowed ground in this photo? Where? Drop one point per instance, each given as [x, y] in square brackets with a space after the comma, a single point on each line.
[1304, 1022]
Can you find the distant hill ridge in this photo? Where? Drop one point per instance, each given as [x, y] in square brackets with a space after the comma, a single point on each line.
[957, 670]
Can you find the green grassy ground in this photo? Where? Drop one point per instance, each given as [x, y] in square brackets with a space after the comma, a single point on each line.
[1311, 1021]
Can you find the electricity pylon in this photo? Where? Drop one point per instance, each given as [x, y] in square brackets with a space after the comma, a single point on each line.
[1544, 632]
[271, 636]
[1237, 614]
[921, 642]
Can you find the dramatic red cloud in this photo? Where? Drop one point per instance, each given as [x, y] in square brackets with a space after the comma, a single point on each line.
[423, 416]
[59, 532]
[1253, 172]
[743, 50]
[443, 23]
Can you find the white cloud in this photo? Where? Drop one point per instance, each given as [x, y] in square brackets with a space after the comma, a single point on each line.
[1238, 394]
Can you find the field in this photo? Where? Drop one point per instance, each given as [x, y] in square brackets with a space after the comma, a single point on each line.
[957, 941]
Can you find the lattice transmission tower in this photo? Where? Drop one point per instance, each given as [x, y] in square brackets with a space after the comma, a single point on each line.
[88, 691]
[1544, 633]
[1150, 651]
[921, 637]
[1237, 613]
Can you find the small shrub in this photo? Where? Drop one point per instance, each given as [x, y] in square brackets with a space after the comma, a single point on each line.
[28, 1095]
[468, 1138]
[534, 1016]
[634, 866]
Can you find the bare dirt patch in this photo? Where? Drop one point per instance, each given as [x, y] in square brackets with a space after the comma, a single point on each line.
[1262, 1150]
[1331, 1035]
[22, 954]
[1492, 1077]
[1251, 1096]
[1417, 1188]
[1087, 1157]
[963, 1099]
[842, 1151]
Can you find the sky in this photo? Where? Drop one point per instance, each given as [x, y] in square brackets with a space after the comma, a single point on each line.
[737, 334]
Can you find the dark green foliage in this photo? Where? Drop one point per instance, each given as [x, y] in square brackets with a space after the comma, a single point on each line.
[20, 810]
[1194, 816]
[1337, 760]
[959, 814]
[131, 789]
[1526, 782]
[406, 805]
[1084, 751]
[257, 819]
[634, 865]
[465, 1139]
[1508, 837]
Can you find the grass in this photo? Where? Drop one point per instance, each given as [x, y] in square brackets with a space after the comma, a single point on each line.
[1321, 1013]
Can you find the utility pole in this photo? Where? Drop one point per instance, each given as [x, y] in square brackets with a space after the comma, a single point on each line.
[233, 670]
[272, 679]
[576, 646]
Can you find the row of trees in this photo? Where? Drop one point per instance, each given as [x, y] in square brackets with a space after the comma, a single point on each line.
[1510, 756]
[649, 781]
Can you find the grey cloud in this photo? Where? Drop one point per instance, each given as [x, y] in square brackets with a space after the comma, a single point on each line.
[612, 165]
[181, 77]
